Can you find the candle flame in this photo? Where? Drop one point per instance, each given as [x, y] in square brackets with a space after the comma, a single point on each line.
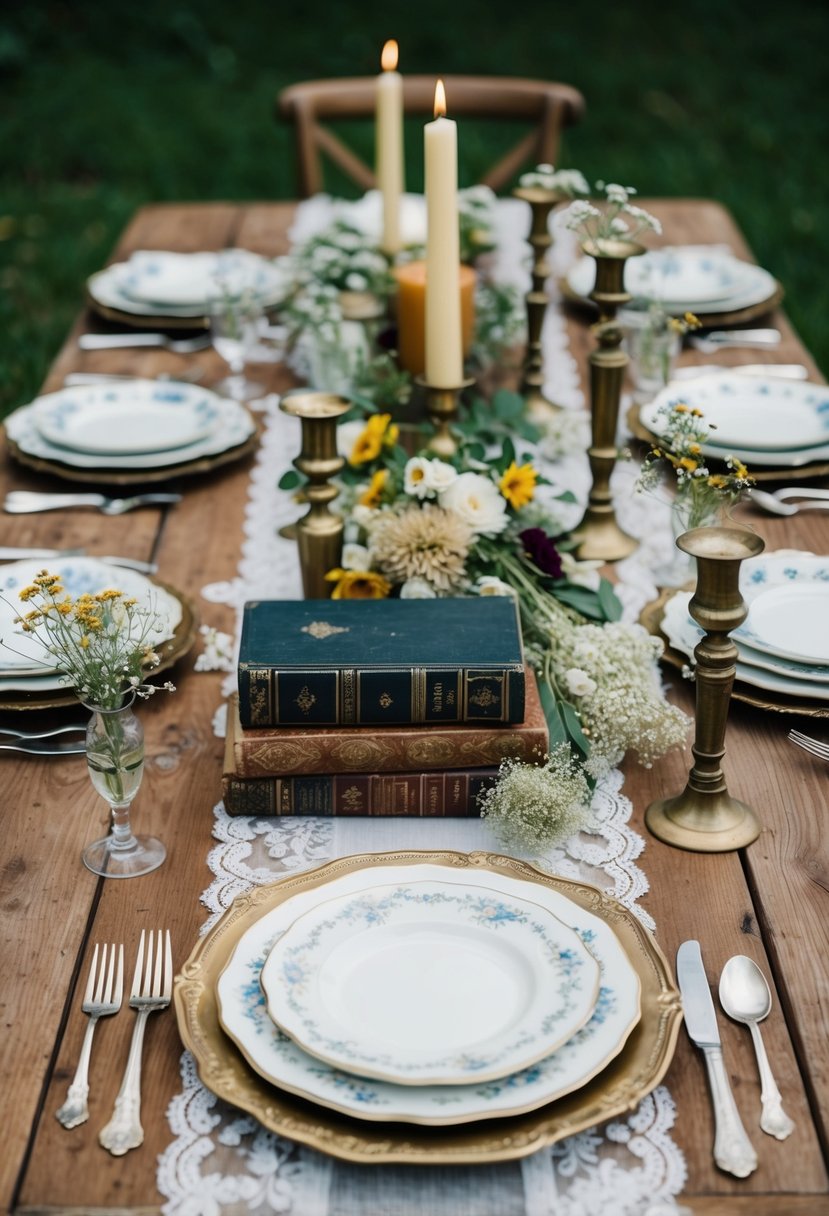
[440, 100]
[388, 59]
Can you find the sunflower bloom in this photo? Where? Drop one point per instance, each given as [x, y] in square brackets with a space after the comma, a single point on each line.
[373, 494]
[367, 447]
[518, 485]
[358, 585]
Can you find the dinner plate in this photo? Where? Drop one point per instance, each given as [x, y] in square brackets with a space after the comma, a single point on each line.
[618, 1088]
[764, 419]
[159, 278]
[791, 622]
[233, 425]
[135, 418]
[785, 667]
[244, 1015]
[430, 983]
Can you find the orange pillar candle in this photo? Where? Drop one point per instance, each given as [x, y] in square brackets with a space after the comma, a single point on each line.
[389, 145]
[411, 314]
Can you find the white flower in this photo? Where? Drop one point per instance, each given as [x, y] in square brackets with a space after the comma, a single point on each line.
[478, 502]
[440, 475]
[218, 651]
[416, 478]
[581, 574]
[417, 589]
[616, 193]
[355, 557]
[347, 435]
[577, 213]
[579, 683]
[488, 584]
[364, 516]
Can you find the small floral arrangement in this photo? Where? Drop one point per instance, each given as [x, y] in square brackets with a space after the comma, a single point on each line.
[700, 494]
[617, 219]
[568, 182]
[100, 643]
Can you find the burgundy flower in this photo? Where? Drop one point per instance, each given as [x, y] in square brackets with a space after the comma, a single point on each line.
[542, 550]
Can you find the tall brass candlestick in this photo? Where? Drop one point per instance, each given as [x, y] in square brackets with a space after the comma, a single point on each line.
[319, 533]
[442, 408]
[541, 202]
[599, 536]
[704, 817]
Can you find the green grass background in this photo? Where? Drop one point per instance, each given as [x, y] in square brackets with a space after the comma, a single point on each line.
[106, 106]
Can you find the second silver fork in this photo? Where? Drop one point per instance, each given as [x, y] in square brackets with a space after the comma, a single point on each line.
[104, 991]
[813, 746]
[152, 988]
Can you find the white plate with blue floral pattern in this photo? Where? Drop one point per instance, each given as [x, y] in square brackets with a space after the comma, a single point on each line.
[430, 983]
[244, 1016]
[194, 280]
[685, 278]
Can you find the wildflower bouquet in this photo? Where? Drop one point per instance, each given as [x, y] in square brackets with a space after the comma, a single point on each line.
[617, 219]
[100, 643]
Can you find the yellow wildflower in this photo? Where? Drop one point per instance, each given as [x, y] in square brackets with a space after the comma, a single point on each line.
[681, 409]
[367, 447]
[687, 463]
[28, 592]
[518, 485]
[85, 642]
[694, 449]
[358, 585]
[372, 495]
[717, 481]
[64, 608]
[740, 470]
[109, 594]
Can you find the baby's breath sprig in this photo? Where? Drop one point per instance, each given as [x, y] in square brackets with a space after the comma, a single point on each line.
[617, 218]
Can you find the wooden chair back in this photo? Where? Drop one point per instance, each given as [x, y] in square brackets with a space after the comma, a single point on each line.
[544, 105]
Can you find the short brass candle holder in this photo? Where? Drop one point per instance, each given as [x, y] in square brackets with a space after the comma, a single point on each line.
[598, 536]
[704, 817]
[541, 202]
[319, 534]
[442, 408]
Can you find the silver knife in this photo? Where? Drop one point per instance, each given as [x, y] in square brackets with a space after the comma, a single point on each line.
[9, 553]
[733, 1150]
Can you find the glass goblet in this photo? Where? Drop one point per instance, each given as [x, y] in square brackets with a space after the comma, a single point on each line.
[234, 332]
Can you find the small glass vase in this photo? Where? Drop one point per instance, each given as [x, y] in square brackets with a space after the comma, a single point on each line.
[115, 759]
[653, 354]
[687, 514]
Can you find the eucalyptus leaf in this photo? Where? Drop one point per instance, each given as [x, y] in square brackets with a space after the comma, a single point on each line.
[584, 600]
[574, 730]
[609, 600]
[555, 722]
[566, 496]
[290, 479]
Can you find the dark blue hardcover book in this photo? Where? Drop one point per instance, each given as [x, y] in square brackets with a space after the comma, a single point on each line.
[381, 662]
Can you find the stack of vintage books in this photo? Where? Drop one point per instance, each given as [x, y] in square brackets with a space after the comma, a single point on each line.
[388, 707]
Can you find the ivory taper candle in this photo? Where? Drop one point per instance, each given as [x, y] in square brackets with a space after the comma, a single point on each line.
[444, 357]
[389, 145]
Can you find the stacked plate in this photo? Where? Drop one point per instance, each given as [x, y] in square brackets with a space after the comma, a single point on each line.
[691, 278]
[431, 989]
[134, 430]
[178, 289]
[767, 423]
[784, 643]
[28, 680]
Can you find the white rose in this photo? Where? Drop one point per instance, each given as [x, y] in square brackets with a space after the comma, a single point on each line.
[347, 435]
[478, 502]
[356, 557]
[488, 584]
[364, 516]
[440, 475]
[417, 589]
[579, 683]
[581, 574]
[416, 478]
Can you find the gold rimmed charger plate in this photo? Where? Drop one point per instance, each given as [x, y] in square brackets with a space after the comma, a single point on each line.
[803, 472]
[134, 477]
[710, 320]
[761, 698]
[169, 652]
[618, 1088]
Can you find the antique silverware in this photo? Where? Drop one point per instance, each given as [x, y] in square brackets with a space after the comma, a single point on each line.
[27, 736]
[152, 988]
[9, 553]
[721, 339]
[44, 747]
[813, 746]
[104, 992]
[178, 346]
[25, 502]
[745, 997]
[773, 503]
[777, 371]
[733, 1150]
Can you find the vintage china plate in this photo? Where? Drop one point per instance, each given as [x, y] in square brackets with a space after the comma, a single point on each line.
[784, 667]
[659, 272]
[430, 983]
[78, 575]
[233, 426]
[618, 1088]
[791, 622]
[141, 417]
[109, 290]
[197, 280]
[276, 1057]
[764, 419]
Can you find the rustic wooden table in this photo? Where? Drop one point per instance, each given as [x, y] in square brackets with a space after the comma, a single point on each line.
[769, 902]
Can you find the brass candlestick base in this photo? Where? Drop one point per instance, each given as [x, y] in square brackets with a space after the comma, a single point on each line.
[704, 817]
[541, 202]
[598, 536]
[442, 408]
[319, 534]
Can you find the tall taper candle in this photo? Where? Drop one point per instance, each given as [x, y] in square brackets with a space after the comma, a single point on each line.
[444, 358]
[389, 145]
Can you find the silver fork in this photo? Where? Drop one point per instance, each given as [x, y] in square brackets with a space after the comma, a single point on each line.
[104, 992]
[179, 346]
[27, 502]
[152, 988]
[810, 745]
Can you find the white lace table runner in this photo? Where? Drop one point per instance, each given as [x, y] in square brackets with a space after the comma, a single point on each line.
[220, 1162]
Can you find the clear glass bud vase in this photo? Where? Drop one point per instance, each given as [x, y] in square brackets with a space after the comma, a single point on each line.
[115, 759]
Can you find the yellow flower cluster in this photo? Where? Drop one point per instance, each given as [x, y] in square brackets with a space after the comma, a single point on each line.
[518, 485]
[358, 585]
[372, 496]
[379, 432]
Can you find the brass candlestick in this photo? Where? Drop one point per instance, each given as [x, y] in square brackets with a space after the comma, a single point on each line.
[442, 408]
[704, 817]
[319, 534]
[599, 536]
[541, 202]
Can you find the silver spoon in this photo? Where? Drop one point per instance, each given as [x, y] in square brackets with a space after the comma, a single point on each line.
[770, 502]
[745, 997]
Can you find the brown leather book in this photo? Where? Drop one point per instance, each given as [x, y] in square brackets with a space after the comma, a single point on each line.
[285, 751]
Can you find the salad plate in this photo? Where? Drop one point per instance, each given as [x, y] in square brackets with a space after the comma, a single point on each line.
[160, 278]
[430, 983]
[276, 1057]
[791, 622]
[135, 418]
